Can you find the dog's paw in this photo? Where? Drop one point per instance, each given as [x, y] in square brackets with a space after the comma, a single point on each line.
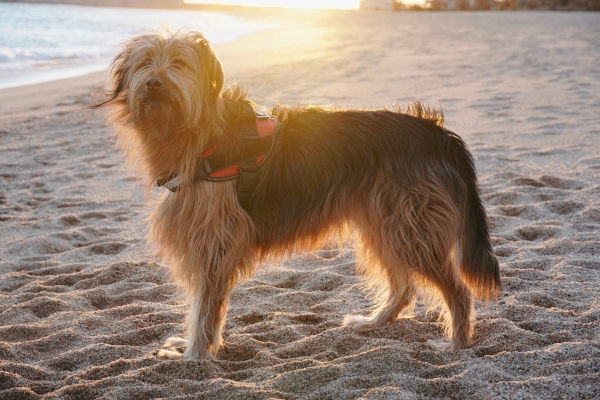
[440, 344]
[170, 349]
[170, 354]
[175, 342]
[358, 321]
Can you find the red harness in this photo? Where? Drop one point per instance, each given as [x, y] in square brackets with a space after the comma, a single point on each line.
[258, 135]
[265, 126]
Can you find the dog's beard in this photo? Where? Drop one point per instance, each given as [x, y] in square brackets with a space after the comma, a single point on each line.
[157, 114]
[158, 118]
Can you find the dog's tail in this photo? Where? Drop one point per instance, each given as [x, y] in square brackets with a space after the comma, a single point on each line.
[479, 266]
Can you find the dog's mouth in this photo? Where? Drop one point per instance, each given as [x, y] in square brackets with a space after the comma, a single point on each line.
[157, 113]
[154, 106]
[153, 103]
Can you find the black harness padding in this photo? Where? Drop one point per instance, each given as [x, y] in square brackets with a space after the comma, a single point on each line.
[247, 182]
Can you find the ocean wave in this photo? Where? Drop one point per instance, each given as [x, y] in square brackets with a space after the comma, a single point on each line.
[34, 36]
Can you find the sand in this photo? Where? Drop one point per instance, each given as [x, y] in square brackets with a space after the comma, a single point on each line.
[84, 304]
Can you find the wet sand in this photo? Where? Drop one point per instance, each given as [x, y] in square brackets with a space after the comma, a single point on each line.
[84, 304]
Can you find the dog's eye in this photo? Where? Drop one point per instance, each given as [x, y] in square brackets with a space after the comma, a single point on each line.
[178, 64]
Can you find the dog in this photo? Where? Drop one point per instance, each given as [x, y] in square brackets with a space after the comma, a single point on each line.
[404, 184]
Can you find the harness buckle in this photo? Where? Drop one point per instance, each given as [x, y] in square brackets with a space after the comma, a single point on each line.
[171, 182]
[262, 115]
[202, 169]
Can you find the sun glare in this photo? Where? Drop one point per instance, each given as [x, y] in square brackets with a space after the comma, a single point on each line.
[320, 4]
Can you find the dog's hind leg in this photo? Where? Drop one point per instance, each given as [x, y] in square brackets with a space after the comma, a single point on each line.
[389, 276]
[411, 235]
[459, 305]
[382, 260]
[429, 236]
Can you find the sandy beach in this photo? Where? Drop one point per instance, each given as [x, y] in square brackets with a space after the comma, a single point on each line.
[85, 305]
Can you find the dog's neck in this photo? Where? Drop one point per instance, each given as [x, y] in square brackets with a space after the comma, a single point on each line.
[177, 151]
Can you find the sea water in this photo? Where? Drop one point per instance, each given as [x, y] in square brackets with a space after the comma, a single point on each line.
[42, 42]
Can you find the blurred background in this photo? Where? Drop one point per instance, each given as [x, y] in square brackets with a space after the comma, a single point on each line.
[51, 39]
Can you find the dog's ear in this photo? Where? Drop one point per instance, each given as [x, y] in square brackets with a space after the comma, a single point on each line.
[212, 65]
[118, 73]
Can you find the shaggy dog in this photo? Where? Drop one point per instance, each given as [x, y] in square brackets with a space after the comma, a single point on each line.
[401, 182]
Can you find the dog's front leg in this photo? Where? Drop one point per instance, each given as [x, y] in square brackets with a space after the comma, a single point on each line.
[209, 301]
[206, 319]
[209, 293]
[209, 244]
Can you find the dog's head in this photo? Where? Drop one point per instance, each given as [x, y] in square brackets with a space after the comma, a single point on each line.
[164, 83]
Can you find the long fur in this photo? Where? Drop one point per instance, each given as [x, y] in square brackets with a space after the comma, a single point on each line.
[400, 179]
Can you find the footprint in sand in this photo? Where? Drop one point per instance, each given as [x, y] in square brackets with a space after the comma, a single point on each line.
[536, 232]
[109, 248]
[564, 207]
[70, 220]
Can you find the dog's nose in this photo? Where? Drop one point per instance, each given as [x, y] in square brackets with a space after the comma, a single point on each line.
[154, 84]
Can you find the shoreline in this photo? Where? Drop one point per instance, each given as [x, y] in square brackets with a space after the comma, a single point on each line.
[53, 74]
[66, 70]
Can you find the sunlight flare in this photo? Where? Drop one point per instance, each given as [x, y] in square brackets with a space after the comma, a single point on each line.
[308, 4]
